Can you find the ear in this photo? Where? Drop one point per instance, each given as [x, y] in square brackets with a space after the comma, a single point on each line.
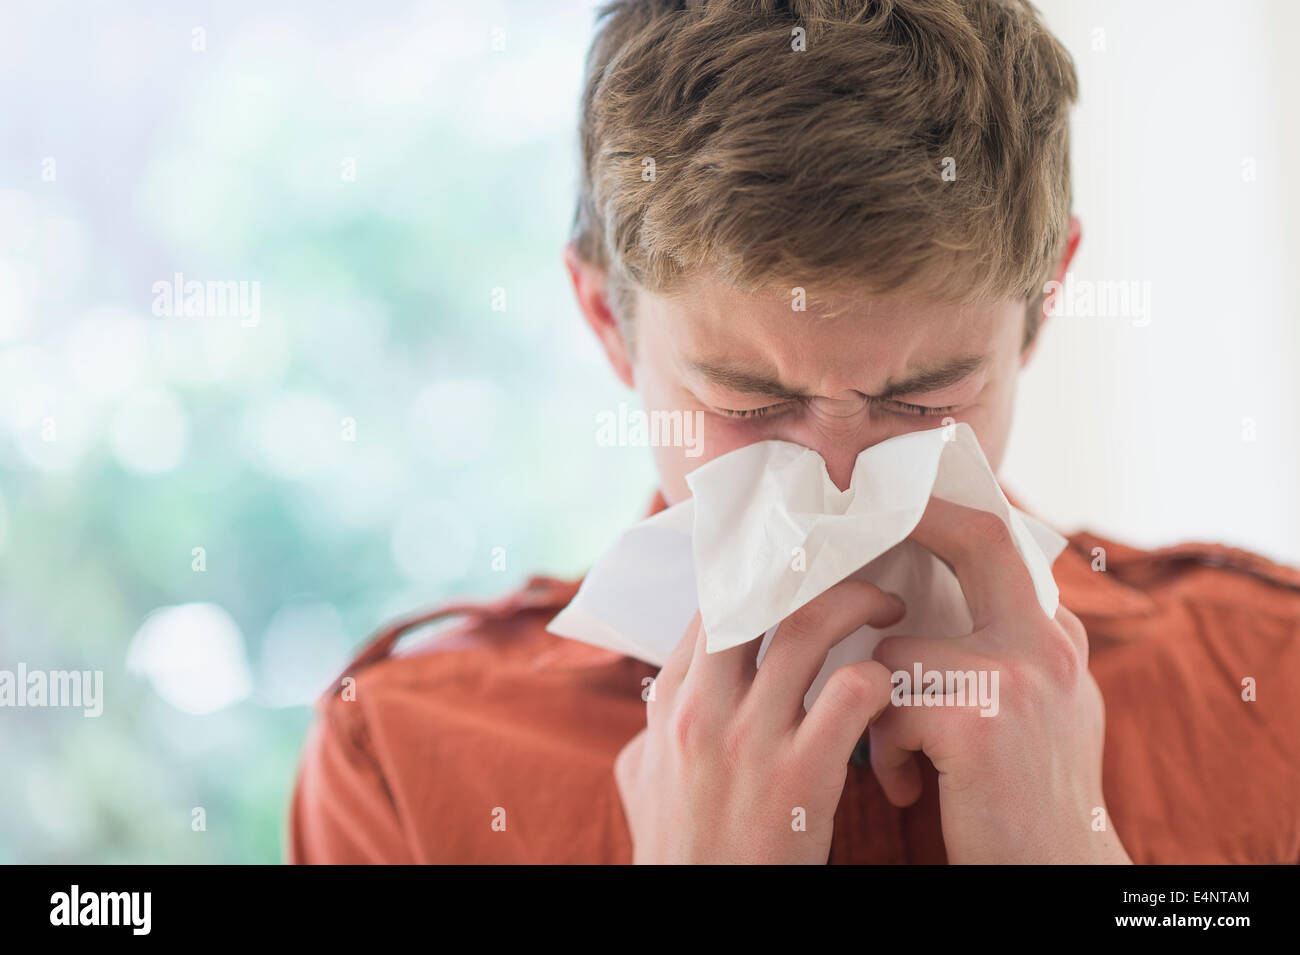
[1072, 238]
[589, 287]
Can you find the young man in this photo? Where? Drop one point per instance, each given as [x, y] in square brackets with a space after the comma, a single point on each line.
[900, 170]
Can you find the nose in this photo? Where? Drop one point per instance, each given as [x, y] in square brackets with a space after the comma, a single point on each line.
[840, 434]
[840, 457]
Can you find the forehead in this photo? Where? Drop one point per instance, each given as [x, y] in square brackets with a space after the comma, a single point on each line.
[843, 340]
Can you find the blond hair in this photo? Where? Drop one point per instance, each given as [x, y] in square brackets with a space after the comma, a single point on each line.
[710, 141]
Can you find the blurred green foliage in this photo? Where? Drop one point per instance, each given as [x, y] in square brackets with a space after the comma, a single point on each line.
[473, 427]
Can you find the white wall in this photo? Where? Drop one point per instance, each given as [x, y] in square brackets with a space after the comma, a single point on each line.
[1139, 432]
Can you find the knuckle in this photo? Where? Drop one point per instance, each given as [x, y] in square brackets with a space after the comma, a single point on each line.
[690, 726]
[626, 763]
[1054, 666]
[1073, 626]
[854, 687]
[990, 531]
[1075, 630]
[1061, 657]
[810, 620]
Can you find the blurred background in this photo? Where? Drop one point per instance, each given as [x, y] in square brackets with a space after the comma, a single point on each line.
[215, 509]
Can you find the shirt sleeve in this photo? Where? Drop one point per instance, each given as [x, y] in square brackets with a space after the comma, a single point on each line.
[342, 812]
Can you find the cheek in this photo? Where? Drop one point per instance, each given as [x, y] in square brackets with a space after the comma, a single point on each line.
[716, 438]
[672, 468]
[991, 422]
[712, 435]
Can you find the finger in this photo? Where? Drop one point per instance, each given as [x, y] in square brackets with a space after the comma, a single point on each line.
[724, 675]
[902, 731]
[981, 550]
[799, 646]
[673, 672]
[851, 699]
[893, 761]
[902, 653]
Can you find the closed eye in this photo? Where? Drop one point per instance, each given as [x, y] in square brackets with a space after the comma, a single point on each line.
[758, 412]
[891, 405]
[902, 407]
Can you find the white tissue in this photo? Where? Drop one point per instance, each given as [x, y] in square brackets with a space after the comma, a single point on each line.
[766, 531]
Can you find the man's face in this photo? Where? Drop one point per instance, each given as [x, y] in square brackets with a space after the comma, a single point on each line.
[757, 369]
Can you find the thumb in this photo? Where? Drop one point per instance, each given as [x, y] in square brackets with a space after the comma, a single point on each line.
[893, 760]
[851, 700]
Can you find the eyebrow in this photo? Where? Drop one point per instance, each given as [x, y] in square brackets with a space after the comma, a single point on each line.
[925, 380]
[936, 377]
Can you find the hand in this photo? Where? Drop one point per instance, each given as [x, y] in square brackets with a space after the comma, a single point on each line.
[730, 769]
[1023, 785]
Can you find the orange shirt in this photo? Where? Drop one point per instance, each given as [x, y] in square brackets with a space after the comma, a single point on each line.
[495, 741]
